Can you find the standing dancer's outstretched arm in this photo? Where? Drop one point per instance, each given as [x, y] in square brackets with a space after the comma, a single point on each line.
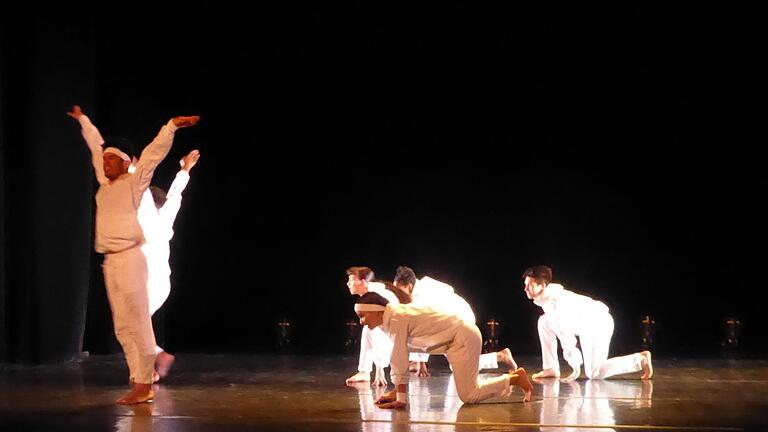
[93, 139]
[170, 209]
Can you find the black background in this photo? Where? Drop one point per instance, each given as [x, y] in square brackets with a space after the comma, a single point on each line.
[619, 143]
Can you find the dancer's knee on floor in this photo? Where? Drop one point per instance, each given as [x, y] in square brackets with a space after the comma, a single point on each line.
[468, 396]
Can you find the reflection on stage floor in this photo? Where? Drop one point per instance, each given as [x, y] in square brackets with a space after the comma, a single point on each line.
[277, 393]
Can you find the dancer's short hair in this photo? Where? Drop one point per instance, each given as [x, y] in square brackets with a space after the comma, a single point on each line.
[121, 143]
[541, 273]
[159, 196]
[372, 298]
[405, 275]
[362, 273]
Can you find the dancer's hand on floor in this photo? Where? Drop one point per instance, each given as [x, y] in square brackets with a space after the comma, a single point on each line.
[423, 371]
[380, 380]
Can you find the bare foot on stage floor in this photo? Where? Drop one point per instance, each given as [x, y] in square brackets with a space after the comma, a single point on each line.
[163, 363]
[546, 373]
[140, 393]
[359, 377]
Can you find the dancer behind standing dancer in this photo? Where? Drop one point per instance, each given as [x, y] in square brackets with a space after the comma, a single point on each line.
[157, 214]
[567, 315]
[420, 329]
[428, 292]
[119, 237]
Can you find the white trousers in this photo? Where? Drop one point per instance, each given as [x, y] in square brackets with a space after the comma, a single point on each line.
[375, 347]
[464, 356]
[487, 361]
[125, 277]
[594, 349]
[158, 289]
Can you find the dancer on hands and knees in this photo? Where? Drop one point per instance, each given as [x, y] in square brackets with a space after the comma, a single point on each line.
[567, 315]
[417, 329]
[375, 345]
[432, 293]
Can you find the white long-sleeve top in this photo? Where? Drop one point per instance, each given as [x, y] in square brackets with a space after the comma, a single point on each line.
[381, 289]
[157, 224]
[573, 314]
[440, 296]
[117, 202]
[417, 329]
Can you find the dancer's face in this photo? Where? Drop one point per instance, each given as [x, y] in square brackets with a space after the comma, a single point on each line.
[114, 166]
[533, 288]
[356, 286]
[371, 319]
[405, 287]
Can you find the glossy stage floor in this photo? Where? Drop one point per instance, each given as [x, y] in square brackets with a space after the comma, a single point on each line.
[296, 393]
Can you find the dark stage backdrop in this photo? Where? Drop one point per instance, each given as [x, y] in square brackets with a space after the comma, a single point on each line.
[46, 187]
[620, 144]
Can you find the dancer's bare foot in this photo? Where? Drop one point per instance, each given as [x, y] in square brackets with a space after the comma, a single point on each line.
[140, 393]
[647, 365]
[163, 363]
[546, 373]
[505, 356]
[520, 378]
[359, 377]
